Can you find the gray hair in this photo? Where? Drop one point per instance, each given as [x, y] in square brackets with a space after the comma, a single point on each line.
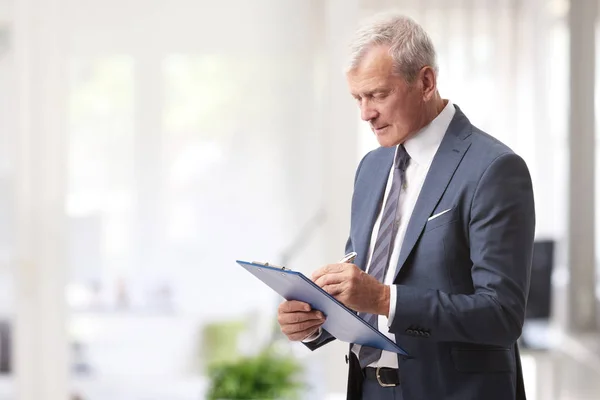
[410, 46]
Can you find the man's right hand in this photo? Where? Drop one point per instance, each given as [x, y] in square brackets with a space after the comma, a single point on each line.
[297, 320]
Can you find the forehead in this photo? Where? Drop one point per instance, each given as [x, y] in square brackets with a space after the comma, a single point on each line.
[374, 70]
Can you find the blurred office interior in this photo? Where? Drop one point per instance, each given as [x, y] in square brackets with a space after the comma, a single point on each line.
[147, 145]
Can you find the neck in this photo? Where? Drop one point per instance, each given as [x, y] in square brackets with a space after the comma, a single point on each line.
[433, 109]
[436, 107]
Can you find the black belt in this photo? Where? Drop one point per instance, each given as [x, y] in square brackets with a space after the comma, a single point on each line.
[386, 377]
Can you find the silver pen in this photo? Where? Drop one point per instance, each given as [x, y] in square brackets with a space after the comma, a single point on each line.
[348, 258]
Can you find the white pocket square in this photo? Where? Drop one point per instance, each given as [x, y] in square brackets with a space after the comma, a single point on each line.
[438, 214]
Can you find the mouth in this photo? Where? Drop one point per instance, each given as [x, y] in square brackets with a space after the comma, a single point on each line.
[379, 129]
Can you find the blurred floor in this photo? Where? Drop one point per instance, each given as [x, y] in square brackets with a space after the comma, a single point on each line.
[570, 372]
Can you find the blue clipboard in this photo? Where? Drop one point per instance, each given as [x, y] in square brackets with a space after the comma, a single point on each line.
[341, 322]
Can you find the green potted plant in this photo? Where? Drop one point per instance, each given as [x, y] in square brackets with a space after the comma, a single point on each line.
[268, 375]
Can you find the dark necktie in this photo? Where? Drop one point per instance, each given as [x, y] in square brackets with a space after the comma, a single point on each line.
[384, 243]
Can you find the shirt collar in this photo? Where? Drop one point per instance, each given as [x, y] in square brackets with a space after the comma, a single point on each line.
[422, 146]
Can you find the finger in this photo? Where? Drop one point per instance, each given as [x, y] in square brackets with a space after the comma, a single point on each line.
[317, 274]
[299, 317]
[331, 268]
[334, 289]
[330, 279]
[295, 328]
[299, 332]
[303, 335]
[293, 306]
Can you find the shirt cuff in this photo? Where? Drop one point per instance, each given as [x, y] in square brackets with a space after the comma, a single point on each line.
[393, 297]
[314, 336]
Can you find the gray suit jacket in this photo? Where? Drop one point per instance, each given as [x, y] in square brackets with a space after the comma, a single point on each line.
[462, 277]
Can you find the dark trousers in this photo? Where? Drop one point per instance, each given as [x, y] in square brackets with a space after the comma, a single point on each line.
[371, 390]
[360, 388]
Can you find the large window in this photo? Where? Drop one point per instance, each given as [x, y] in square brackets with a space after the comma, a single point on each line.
[173, 174]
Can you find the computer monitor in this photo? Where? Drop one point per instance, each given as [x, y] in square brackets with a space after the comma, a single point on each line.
[540, 290]
[5, 347]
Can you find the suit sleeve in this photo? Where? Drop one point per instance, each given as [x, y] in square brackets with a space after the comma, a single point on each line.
[325, 337]
[501, 233]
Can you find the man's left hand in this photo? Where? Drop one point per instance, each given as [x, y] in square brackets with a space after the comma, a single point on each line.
[354, 288]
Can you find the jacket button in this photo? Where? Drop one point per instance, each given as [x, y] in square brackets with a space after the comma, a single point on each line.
[427, 334]
[410, 331]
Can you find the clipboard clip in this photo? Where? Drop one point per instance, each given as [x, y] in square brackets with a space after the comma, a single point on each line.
[266, 264]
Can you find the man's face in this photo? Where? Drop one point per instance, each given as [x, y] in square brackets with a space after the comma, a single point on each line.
[393, 108]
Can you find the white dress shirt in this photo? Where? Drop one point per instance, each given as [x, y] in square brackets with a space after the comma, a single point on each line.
[421, 148]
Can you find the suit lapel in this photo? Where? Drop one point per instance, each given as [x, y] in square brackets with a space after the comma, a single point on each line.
[372, 202]
[443, 166]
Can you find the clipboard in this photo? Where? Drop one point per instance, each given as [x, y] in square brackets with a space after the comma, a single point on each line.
[341, 322]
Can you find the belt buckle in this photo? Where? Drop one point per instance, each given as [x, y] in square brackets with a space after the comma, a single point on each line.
[379, 380]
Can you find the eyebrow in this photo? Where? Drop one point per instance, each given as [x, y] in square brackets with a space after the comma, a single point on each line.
[370, 92]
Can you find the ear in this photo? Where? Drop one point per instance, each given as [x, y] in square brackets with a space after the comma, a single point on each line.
[428, 81]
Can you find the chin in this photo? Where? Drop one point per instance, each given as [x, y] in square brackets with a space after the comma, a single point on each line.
[387, 141]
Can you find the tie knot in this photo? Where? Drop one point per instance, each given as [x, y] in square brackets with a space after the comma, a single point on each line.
[402, 158]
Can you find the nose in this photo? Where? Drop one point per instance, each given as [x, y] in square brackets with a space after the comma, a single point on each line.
[367, 112]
